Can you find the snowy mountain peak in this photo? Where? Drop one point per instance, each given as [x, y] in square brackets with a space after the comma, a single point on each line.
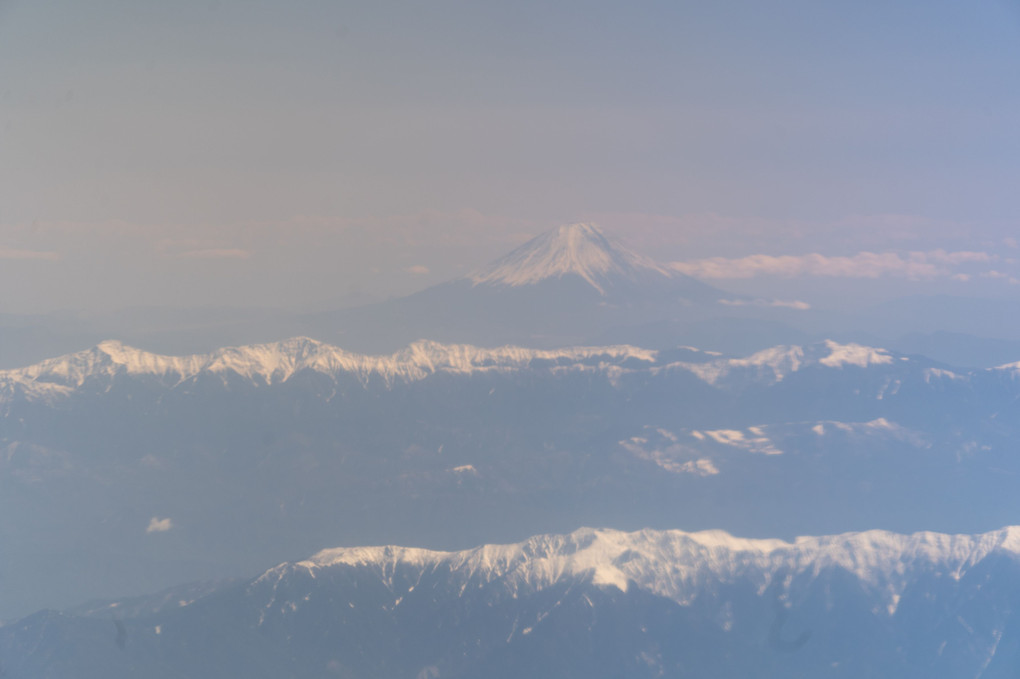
[276, 362]
[677, 564]
[577, 249]
[107, 358]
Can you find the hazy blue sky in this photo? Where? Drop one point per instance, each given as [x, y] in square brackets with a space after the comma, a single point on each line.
[227, 152]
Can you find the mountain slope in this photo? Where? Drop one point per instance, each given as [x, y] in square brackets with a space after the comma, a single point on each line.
[593, 603]
[679, 565]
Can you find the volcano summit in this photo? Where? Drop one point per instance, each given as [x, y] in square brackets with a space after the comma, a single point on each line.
[565, 286]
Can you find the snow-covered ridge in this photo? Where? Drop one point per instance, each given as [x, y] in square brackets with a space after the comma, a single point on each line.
[278, 361]
[854, 354]
[578, 249]
[265, 364]
[776, 363]
[677, 564]
[1012, 369]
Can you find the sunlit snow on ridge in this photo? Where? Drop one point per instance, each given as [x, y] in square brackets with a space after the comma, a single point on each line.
[676, 564]
[278, 361]
[854, 354]
[274, 363]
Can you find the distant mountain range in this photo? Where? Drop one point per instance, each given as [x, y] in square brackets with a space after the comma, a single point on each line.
[111, 362]
[125, 471]
[571, 285]
[592, 603]
[566, 286]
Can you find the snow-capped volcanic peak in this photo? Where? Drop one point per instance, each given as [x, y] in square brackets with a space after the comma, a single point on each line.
[579, 250]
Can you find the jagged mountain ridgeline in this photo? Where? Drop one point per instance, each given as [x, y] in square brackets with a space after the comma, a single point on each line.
[592, 603]
[125, 471]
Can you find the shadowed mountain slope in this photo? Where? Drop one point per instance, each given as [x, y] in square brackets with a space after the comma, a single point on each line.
[593, 603]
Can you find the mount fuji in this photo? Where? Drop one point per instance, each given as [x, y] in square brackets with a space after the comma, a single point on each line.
[582, 252]
[571, 285]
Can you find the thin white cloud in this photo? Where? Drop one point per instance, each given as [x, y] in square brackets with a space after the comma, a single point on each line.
[998, 275]
[157, 525]
[14, 253]
[791, 304]
[960, 257]
[785, 303]
[216, 253]
[913, 265]
[417, 269]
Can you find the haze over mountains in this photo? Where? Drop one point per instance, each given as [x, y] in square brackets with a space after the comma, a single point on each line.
[302, 377]
[572, 285]
[124, 471]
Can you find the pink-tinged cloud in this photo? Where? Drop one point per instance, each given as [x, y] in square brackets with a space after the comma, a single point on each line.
[417, 269]
[158, 525]
[13, 253]
[216, 253]
[1000, 276]
[912, 265]
[784, 303]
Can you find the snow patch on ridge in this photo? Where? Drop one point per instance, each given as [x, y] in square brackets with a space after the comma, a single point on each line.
[772, 365]
[673, 458]
[755, 442]
[775, 364]
[854, 354]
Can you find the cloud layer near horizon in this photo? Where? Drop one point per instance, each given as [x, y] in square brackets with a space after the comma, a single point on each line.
[911, 265]
[16, 253]
[312, 262]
